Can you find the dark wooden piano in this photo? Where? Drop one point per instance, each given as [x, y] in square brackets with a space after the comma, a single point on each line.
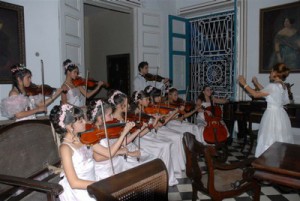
[252, 111]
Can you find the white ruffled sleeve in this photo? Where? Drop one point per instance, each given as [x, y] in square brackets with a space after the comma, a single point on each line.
[13, 105]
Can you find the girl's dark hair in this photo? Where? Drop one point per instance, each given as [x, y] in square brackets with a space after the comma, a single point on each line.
[68, 66]
[282, 71]
[137, 95]
[18, 71]
[92, 106]
[155, 92]
[116, 97]
[142, 64]
[71, 116]
[172, 90]
[201, 95]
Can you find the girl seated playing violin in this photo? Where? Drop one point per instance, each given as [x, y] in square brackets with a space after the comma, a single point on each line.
[77, 158]
[177, 123]
[147, 144]
[19, 104]
[102, 165]
[72, 94]
[171, 134]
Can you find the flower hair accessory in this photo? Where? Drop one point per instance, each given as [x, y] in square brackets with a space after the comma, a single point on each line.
[67, 65]
[95, 110]
[150, 88]
[111, 99]
[136, 96]
[18, 68]
[64, 109]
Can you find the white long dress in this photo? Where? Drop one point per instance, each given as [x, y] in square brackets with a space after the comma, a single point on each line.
[83, 164]
[275, 124]
[103, 169]
[186, 126]
[75, 97]
[177, 150]
[161, 148]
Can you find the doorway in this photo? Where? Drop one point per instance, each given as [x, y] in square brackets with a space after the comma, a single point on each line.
[108, 34]
[118, 72]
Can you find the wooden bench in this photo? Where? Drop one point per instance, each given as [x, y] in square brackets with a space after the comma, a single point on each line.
[147, 182]
[27, 147]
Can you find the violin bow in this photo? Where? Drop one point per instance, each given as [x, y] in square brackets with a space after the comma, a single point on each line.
[139, 138]
[106, 135]
[126, 102]
[156, 76]
[43, 92]
[86, 89]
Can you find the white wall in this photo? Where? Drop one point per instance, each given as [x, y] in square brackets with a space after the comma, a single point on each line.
[42, 36]
[166, 8]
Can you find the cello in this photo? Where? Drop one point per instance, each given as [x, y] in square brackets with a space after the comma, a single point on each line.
[214, 132]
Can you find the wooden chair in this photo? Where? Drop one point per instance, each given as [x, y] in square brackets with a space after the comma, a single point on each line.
[221, 180]
[147, 182]
[27, 147]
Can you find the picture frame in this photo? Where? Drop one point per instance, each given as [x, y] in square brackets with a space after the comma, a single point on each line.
[280, 37]
[12, 37]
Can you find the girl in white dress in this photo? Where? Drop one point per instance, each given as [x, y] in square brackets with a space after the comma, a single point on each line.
[77, 158]
[19, 104]
[275, 124]
[204, 100]
[175, 136]
[149, 141]
[75, 95]
[179, 123]
[120, 163]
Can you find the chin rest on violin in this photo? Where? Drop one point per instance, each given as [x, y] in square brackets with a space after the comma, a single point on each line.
[34, 90]
[93, 135]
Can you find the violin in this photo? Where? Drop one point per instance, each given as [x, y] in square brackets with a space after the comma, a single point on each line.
[157, 109]
[214, 131]
[188, 105]
[34, 90]
[157, 78]
[79, 81]
[93, 135]
[139, 119]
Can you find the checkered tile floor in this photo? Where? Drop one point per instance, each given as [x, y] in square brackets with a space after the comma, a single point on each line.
[183, 191]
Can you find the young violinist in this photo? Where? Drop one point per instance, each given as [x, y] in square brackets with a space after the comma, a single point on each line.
[147, 141]
[19, 104]
[275, 124]
[178, 123]
[102, 165]
[72, 94]
[77, 158]
[163, 131]
[141, 81]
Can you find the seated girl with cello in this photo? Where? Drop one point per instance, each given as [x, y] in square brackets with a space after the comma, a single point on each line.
[74, 93]
[102, 165]
[77, 158]
[147, 143]
[25, 102]
[208, 112]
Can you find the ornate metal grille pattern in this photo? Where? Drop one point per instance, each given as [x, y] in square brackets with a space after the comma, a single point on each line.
[212, 52]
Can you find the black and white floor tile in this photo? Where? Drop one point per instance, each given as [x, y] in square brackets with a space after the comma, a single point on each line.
[183, 191]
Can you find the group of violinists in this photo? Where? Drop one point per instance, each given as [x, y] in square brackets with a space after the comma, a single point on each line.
[105, 137]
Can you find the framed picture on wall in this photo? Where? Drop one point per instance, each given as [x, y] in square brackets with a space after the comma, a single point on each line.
[12, 43]
[280, 37]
